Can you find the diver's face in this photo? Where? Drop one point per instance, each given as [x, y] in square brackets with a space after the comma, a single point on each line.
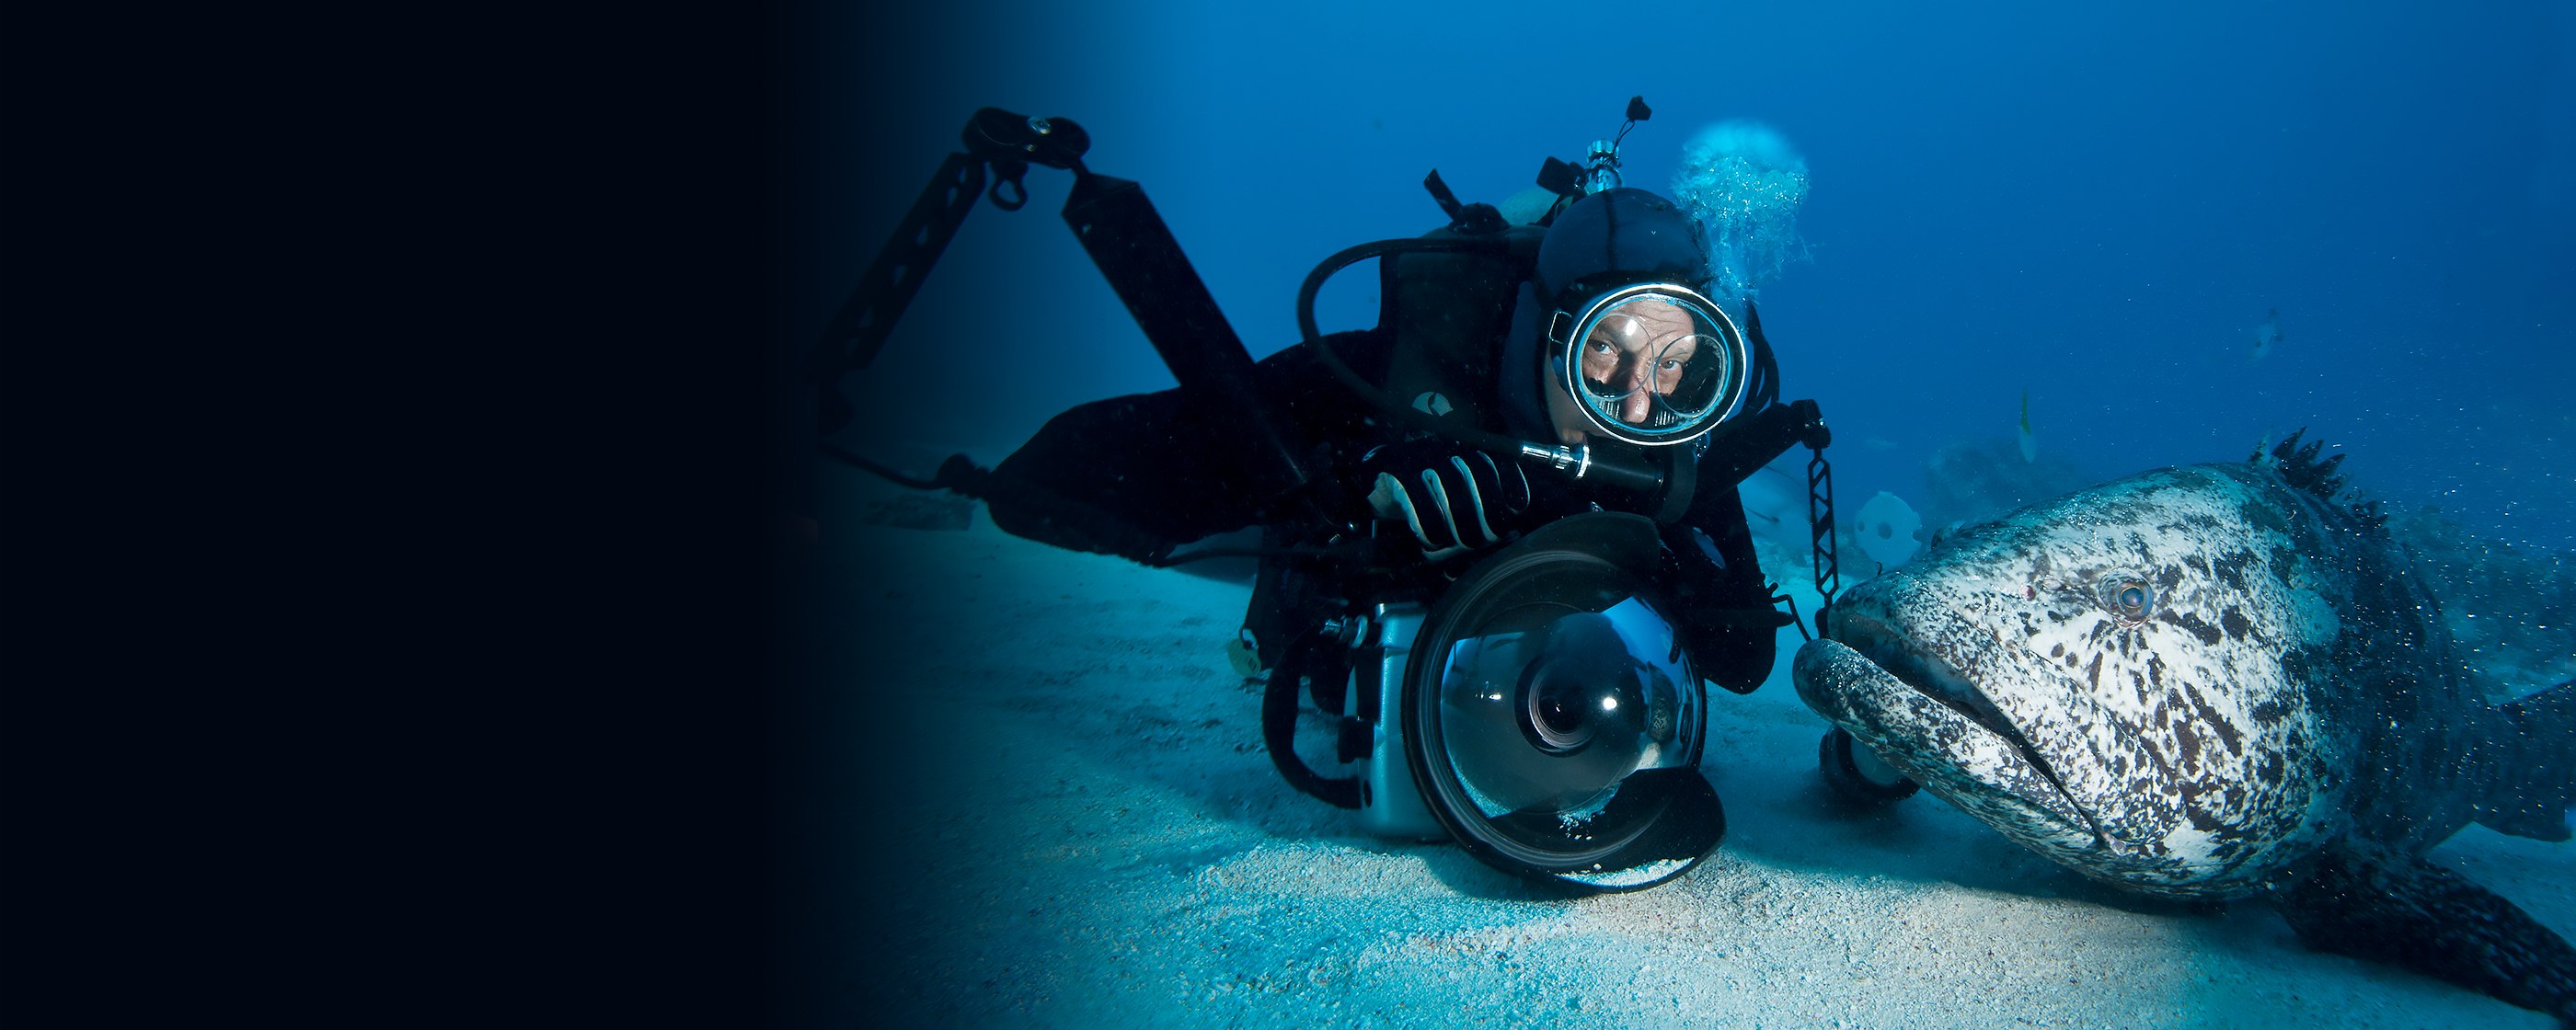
[1637, 353]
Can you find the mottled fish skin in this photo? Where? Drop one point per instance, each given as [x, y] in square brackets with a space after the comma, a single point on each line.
[2286, 681]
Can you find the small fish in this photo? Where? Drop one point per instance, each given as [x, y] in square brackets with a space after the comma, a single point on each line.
[2029, 443]
[2266, 336]
[1886, 530]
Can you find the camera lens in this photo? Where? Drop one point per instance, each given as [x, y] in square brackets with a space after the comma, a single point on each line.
[1557, 722]
[1554, 713]
[1553, 719]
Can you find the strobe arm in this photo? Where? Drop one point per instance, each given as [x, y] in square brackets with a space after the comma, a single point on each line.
[1136, 252]
[1125, 237]
[1820, 519]
[869, 313]
[1006, 141]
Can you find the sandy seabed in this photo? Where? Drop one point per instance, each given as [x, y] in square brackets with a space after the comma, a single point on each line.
[1040, 799]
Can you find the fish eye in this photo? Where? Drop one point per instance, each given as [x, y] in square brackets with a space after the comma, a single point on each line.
[2131, 598]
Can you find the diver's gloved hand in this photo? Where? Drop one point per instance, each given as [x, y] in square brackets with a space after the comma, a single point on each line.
[1453, 497]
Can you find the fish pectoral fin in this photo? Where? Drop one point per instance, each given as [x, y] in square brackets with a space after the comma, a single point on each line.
[2384, 905]
[2527, 759]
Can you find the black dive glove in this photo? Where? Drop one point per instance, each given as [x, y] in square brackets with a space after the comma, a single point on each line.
[1453, 497]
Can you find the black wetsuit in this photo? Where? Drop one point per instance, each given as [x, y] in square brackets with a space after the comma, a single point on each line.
[1170, 468]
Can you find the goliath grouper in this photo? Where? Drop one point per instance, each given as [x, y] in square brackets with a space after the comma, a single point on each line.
[2213, 682]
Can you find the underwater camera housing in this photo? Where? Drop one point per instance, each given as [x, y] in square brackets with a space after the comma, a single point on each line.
[1543, 714]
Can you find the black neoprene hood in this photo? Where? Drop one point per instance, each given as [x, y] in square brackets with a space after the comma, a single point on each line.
[1625, 234]
[1611, 238]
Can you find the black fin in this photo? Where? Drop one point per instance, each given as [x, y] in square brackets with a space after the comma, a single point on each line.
[2299, 465]
[1440, 194]
[2327, 482]
[1561, 178]
[2529, 757]
[2383, 905]
[2281, 451]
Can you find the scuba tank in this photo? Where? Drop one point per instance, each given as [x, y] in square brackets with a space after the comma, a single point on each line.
[1447, 312]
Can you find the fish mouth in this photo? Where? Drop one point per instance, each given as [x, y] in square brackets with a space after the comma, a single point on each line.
[1925, 716]
[1928, 674]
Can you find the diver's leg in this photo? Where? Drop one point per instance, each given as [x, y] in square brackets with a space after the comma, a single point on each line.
[1144, 459]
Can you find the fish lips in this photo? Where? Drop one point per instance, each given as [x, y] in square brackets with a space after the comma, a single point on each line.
[1941, 733]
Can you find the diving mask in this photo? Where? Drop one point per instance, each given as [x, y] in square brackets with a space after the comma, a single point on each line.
[1650, 363]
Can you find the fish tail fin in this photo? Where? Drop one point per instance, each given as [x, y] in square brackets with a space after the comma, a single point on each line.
[2386, 905]
[2529, 758]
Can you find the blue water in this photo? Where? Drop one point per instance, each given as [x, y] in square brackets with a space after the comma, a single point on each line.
[2096, 206]
[2093, 206]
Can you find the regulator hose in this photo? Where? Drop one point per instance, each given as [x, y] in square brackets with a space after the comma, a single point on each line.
[1358, 384]
[1626, 473]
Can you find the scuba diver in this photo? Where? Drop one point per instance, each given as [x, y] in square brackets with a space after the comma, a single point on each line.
[1502, 546]
[1646, 372]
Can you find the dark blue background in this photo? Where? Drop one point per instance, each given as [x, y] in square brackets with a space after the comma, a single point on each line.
[2094, 204]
